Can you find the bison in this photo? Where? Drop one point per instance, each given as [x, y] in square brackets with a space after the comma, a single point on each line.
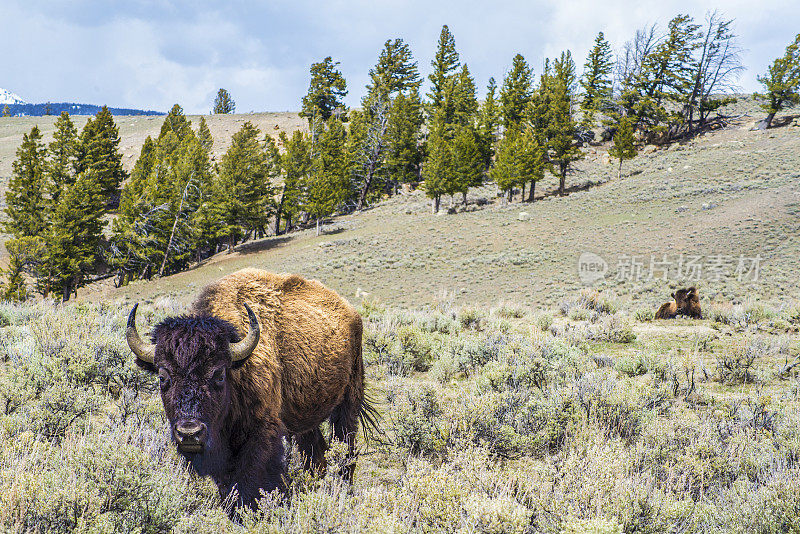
[687, 302]
[260, 357]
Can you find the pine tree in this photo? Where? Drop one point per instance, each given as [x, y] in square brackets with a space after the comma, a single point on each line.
[782, 82]
[296, 165]
[244, 196]
[74, 236]
[404, 154]
[683, 40]
[533, 160]
[176, 122]
[465, 100]
[326, 91]
[26, 204]
[438, 168]
[99, 155]
[662, 84]
[445, 64]
[328, 183]
[204, 135]
[193, 222]
[564, 72]
[596, 80]
[468, 164]
[204, 223]
[520, 159]
[488, 122]
[561, 126]
[453, 107]
[506, 170]
[26, 255]
[539, 108]
[135, 186]
[6, 111]
[15, 288]
[223, 103]
[624, 144]
[63, 152]
[515, 95]
[394, 77]
[356, 140]
[396, 71]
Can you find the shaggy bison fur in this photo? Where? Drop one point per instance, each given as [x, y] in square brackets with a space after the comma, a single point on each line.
[230, 409]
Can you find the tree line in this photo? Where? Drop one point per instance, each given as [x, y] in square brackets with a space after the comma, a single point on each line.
[72, 220]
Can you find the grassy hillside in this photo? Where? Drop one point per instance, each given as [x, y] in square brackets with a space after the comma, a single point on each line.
[733, 193]
[133, 131]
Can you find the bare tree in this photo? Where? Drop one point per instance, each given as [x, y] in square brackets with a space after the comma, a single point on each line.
[371, 153]
[629, 77]
[631, 59]
[178, 216]
[717, 69]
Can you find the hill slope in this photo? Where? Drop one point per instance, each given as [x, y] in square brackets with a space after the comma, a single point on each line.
[134, 129]
[733, 193]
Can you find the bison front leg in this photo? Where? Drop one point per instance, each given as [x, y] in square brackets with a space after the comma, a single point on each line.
[312, 446]
[259, 466]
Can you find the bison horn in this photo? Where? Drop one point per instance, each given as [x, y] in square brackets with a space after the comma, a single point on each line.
[144, 351]
[245, 347]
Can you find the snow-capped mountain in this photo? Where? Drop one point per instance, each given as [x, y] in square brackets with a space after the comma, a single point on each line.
[16, 107]
[7, 97]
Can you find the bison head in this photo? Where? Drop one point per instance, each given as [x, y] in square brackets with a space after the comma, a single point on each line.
[193, 356]
[680, 297]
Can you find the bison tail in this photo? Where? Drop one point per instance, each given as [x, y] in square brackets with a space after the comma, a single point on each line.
[369, 417]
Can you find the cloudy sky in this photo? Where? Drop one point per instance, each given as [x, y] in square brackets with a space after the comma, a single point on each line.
[153, 53]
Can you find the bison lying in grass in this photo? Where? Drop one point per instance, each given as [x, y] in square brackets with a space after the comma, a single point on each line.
[687, 302]
[231, 399]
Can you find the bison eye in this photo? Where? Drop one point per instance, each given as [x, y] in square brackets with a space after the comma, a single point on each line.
[163, 378]
[218, 377]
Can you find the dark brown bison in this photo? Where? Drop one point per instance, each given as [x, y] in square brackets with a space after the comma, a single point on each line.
[691, 304]
[231, 399]
[687, 302]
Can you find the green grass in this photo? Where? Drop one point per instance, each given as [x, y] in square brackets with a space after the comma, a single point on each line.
[489, 424]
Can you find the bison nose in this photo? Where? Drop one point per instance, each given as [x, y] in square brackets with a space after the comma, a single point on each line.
[189, 435]
[189, 429]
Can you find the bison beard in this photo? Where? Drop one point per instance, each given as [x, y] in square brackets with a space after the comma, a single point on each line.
[232, 403]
